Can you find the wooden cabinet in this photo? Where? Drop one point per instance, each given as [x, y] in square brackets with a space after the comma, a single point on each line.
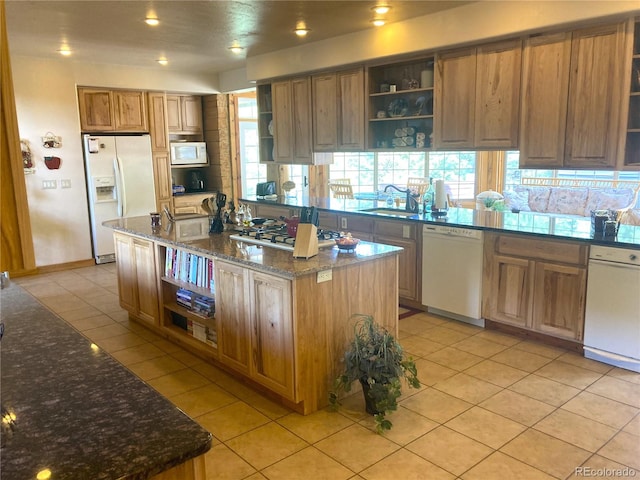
[292, 121]
[112, 110]
[190, 203]
[96, 110]
[402, 235]
[338, 111]
[160, 150]
[137, 280]
[537, 285]
[233, 316]
[400, 119]
[184, 114]
[478, 97]
[570, 120]
[272, 346]
[158, 127]
[256, 326]
[631, 158]
[545, 81]
[559, 299]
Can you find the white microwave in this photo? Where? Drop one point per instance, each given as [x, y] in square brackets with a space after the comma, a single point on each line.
[188, 153]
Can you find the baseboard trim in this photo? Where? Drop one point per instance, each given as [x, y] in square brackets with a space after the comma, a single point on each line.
[59, 267]
[537, 336]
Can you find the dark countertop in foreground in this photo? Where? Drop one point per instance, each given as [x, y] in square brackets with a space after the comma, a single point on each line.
[79, 413]
[280, 262]
[532, 223]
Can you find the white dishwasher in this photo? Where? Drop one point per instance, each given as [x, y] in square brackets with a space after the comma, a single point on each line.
[452, 272]
[612, 313]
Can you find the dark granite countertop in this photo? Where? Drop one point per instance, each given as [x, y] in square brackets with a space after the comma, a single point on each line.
[280, 262]
[78, 412]
[569, 227]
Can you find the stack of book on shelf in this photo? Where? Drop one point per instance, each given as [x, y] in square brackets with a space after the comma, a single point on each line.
[202, 332]
[198, 304]
[189, 267]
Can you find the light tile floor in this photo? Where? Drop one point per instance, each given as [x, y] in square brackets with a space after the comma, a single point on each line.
[491, 405]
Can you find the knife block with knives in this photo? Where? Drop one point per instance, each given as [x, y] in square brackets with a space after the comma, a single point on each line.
[306, 245]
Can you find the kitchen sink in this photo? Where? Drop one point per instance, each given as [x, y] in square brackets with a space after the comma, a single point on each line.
[390, 211]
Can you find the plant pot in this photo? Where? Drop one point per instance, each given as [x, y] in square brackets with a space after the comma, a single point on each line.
[369, 404]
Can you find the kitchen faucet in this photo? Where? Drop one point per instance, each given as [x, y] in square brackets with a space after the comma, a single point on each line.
[411, 203]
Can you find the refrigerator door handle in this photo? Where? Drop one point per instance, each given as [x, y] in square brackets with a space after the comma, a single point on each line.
[122, 196]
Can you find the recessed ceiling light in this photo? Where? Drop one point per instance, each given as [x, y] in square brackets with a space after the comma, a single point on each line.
[152, 21]
[378, 22]
[381, 9]
[163, 61]
[301, 29]
[64, 50]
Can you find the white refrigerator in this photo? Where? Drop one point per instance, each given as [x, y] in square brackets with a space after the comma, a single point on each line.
[119, 175]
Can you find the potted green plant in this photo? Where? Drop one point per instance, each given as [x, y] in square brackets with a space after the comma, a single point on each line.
[376, 360]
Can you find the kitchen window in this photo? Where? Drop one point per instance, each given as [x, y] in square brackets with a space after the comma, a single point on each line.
[513, 174]
[252, 171]
[371, 172]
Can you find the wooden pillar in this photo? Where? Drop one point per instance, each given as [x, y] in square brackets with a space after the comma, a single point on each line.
[16, 245]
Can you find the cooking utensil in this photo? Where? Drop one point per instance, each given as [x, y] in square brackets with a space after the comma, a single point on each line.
[217, 226]
[205, 206]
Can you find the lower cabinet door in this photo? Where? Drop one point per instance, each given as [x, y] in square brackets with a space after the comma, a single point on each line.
[147, 288]
[559, 300]
[234, 337]
[407, 267]
[136, 272]
[125, 265]
[509, 292]
[272, 333]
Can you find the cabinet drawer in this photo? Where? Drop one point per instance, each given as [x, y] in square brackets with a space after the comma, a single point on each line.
[351, 223]
[395, 229]
[558, 251]
[328, 220]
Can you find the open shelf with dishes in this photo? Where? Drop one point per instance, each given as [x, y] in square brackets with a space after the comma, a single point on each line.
[400, 106]
[188, 298]
[265, 123]
[632, 151]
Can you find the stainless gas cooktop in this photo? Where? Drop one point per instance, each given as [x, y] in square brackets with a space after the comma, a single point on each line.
[276, 236]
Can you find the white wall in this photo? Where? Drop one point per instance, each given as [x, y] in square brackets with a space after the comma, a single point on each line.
[465, 24]
[46, 101]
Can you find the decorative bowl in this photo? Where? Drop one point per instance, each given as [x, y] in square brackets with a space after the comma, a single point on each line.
[347, 243]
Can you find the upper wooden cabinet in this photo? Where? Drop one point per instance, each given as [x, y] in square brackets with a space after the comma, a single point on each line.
[158, 122]
[184, 114]
[112, 110]
[477, 97]
[338, 111]
[291, 125]
[572, 91]
[545, 81]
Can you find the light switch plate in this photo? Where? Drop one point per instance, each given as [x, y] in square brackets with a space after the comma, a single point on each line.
[49, 184]
[65, 183]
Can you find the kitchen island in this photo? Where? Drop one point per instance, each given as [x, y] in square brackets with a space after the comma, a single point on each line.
[278, 322]
[71, 409]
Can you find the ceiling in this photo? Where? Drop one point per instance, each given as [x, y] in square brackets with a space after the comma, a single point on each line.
[193, 35]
